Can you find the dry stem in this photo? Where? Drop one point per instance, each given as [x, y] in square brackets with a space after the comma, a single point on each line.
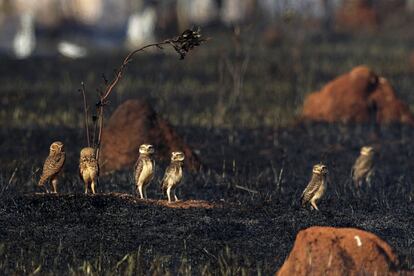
[181, 44]
[86, 109]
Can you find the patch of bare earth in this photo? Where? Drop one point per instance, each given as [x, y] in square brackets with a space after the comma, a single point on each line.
[128, 198]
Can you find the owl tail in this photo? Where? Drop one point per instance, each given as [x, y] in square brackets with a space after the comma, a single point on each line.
[163, 188]
[303, 201]
[42, 181]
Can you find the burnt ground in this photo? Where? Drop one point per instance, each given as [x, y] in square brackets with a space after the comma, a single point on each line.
[219, 224]
[245, 214]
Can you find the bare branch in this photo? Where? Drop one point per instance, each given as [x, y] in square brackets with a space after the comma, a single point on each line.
[98, 145]
[181, 44]
[85, 109]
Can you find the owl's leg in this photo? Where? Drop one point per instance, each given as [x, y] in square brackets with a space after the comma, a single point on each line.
[368, 179]
[358, 190]
[313, 203]
[54, 185]
[175, 196]
[46, 189]
[356, 183]
[140, 191]
[169, 194]
[145, 192]
[93, 186]
[86, 187]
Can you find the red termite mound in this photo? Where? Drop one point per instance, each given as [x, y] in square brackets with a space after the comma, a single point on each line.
[358, 96]
[357, 15]
[134, 123]
[339, 251]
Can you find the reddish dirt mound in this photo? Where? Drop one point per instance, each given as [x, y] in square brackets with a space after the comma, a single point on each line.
[339, 251]
[182, 204]
[128, 198]
[390, 108]
[357, 15]
[187, 204]
[358, 96]
[134, 123]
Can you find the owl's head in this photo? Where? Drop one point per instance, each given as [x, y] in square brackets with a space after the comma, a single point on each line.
[177, 156]
[320, 169]
[87, 152]
[56, 147]
[146, 149]
[367, 151]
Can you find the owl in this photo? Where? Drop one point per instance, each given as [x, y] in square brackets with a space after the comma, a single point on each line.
[363, 169]
[173, 175]
[316, 186]
[144, 169]
[88, 168]
[52, 166]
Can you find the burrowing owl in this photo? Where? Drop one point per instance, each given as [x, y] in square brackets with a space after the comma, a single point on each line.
[53, 165]
[173, 174]
[363, 168]
[144, 169]
[316, 187]
[88, 168]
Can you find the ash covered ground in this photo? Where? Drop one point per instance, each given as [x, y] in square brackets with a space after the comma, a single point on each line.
[240, 213]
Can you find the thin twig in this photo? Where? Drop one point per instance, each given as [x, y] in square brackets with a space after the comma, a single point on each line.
[279, 179]
[181, 44]
[246, 189]
[98, 145]
[120, 70]
[95, 129]
[10, 181]
[209, 254]
[85, 109]
[12, 176]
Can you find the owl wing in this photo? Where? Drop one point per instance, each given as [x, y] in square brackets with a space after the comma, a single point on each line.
[138, 167]
[168, 172]
[360, 168]
[355, 166]
[53, 164]
[309, 191]
[80, 170]
[60, 160]
[94, 164]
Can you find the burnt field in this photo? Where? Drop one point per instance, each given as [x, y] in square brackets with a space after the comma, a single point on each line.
[240, 213]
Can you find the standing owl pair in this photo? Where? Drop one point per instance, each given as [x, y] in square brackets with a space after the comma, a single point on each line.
[362, 172]
[88, 167]
[145, 167]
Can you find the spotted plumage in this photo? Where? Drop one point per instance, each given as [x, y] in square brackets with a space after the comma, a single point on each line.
[88, 168]
[363, 169]
[144, 169]
[53, 166]
[316, 186]
[173, 175]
